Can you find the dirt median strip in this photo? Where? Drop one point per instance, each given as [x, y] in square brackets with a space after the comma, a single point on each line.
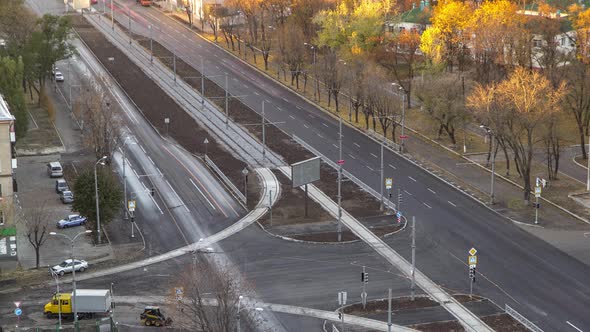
[155, 104]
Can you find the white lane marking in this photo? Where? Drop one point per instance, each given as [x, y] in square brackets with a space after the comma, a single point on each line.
[234, 79]
[306, 126]
[432, 191]
[311, 116]
[390, 165]
[407, 192]
[453, 204]
[572, 325]
[428, 206]
[208, 201]
[151, 197]
[374, 155]
[285, 100]
[268, 101]
[279, 109]
[180, 199]
[320, 136]
[298, 107]
[256, 93]
[141, 147]
[357, 145]
[245, 86]
[157, 169]
[151, 160]
[351, 156]
[334, 145]
[411, 178]
[369, 167]
[135, 172]
[325, 125]
[217, 67]
[292, 117]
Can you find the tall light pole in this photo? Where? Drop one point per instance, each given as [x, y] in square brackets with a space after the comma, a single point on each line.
[492, 138]
[315, 71]
[403, 140]
[72, 240]
[340, 162]
[588, 174]
[124, 173]
[238, 325]
[112, 16]
[102, 162]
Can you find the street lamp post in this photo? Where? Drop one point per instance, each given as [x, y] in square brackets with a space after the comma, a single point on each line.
[245, 173]
[340, 162]
[125, 175]
[492, 138]
[403, 139]
[102, 162]
[55, 275]
[72, 240]
[315, 71]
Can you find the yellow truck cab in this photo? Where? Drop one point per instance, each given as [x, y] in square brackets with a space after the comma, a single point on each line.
[52, 308]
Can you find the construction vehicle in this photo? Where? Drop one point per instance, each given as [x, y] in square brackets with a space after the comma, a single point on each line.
[152, 316]
[89, 302]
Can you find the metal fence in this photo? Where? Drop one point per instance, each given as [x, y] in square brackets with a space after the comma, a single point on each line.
[225, 179]
[521, 319]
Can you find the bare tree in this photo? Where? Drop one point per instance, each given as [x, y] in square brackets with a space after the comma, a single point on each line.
[210, 297]
[101, 123]
[37, 220]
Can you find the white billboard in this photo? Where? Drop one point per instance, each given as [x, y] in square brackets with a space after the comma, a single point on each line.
[305, 172]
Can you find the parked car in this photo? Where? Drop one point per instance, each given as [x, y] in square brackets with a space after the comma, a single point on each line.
[54, 169]
[59, 77]
[67, 266]
[66, 197]
[71, 221]
[61, 185]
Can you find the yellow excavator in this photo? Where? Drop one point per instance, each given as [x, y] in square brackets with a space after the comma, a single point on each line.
[152, 316]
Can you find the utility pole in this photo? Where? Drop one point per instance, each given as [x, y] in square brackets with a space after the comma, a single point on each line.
[340, 162]
[174, 62]
[112, 16]
[202, 85]
[226, 103]
[588, 174]
[381, 183]
[413, 286]
[129, 16]
[270, 206]
[151, 45]
[263, 132]
[493, 138]
[403, 140]
[389, 312]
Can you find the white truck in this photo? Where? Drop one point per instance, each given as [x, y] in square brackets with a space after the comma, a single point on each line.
[89, 302]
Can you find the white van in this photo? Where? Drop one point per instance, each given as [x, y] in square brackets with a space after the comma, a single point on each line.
[54, 169]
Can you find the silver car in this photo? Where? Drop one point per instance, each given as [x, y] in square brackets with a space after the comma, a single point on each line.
[66, 266]
[66, 197]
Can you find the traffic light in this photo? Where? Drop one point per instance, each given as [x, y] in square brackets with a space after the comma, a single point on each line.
[365, 277]
[339, 315]
[153, 191]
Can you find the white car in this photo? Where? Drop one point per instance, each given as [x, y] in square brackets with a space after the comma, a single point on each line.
[66, 266]
[59, 77]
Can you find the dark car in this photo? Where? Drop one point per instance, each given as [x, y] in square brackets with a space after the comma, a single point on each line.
[71, 221]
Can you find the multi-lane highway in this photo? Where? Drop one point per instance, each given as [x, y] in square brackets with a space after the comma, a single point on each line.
[516, 268]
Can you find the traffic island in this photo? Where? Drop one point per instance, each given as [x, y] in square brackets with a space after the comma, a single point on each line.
[424, 314]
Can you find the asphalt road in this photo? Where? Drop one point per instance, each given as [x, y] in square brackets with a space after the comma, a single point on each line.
[522, 270]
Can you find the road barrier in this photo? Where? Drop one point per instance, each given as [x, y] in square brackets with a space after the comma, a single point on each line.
[225, 179]
[521, 319]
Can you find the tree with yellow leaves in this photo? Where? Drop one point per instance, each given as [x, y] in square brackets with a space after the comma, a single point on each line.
[493, 27]
[445, 41]
[516, 108]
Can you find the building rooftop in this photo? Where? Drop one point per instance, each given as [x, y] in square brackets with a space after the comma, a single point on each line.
[4, 111]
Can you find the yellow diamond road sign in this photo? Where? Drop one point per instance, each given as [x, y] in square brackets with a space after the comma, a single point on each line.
[472, 251]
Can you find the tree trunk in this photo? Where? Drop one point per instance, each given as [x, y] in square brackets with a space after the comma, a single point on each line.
[37, 256]
[583, 143]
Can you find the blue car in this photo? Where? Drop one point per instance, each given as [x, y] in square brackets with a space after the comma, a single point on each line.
[71, 221]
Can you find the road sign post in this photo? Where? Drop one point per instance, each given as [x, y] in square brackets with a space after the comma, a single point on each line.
[472, 261]
[364, 281]
[537, 195]
[388, 186]
[342, 302]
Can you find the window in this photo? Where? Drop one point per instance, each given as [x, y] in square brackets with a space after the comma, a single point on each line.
[537, 43]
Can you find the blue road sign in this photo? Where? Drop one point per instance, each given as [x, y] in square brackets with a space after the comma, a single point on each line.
[18, 311]
[398, 214]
